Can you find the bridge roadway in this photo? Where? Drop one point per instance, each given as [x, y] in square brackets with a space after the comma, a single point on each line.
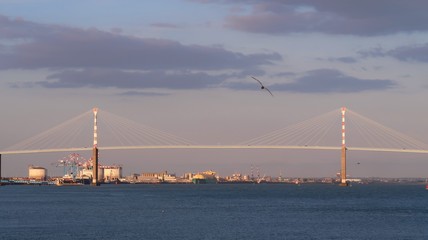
[403, 150]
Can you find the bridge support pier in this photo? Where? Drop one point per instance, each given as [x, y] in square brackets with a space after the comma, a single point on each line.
[343, 182]
[95, 167]
[0, 172]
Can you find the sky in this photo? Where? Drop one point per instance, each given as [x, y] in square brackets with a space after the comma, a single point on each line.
[185, 67]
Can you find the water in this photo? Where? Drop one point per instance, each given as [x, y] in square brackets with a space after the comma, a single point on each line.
[214, 212]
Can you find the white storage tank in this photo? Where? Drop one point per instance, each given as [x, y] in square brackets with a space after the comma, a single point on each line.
[112, 173]
[37, 173]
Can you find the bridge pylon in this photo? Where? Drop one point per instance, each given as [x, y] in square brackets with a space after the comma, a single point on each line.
[343, 181]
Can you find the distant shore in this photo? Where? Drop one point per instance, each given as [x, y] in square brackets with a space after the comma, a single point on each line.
[290, 181]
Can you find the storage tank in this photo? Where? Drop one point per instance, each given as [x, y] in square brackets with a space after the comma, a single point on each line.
[37, 173]
[112, 173]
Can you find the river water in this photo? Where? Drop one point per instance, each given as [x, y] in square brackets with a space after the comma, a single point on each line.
[220, 211]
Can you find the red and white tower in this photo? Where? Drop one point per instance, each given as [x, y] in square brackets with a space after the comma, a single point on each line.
[95, 110]
[343, 127]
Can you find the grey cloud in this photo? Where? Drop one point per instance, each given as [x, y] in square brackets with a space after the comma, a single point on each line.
[333, 81]
[50, 46]
[248, 72]
[142, 94]
[284, 74]
[343, 59]
[104, 78]
[116, 30]
[325, 81]
[374, 52]
[416, 53]
[164, 25]
[363, 17]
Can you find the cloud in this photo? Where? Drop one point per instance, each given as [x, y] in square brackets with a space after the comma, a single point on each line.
[362, 18]
[347, 60]
[284, 74]
[112, 78]
[343, 59]
[33, 46]
[325, 81]
[410, 53]
[164, 25]
[374, 52]
[93, 58]
[417, 53]
[315, 81]
[142, 94]
[116, 30]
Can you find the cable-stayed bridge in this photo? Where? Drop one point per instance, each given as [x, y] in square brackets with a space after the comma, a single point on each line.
[325, 132]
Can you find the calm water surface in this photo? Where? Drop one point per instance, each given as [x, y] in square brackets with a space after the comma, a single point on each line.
[214, 212]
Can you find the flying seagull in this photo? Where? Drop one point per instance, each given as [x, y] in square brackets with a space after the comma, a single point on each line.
[262, 86]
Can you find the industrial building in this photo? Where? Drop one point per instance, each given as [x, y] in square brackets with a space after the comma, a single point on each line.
[151, 177]
[87, 173]
[111, 173]
[105, 173]
[156, 177]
